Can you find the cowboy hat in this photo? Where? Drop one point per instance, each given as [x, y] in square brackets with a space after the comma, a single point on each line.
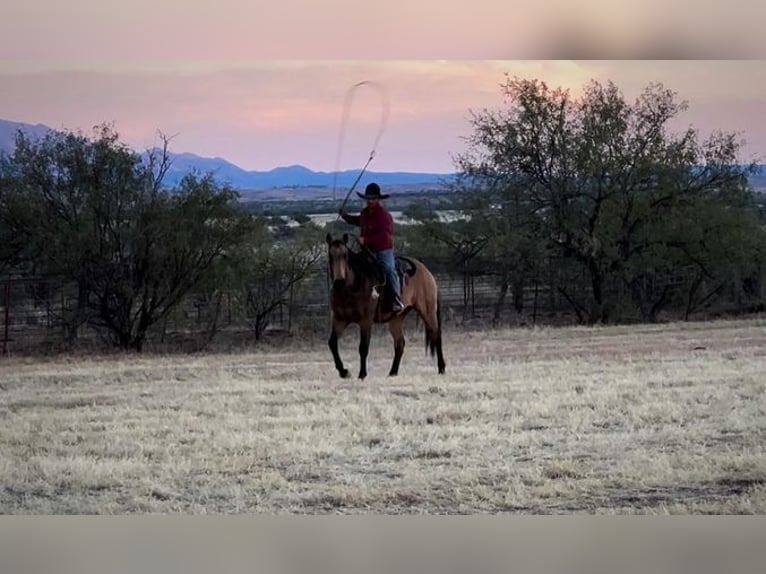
[372, 191]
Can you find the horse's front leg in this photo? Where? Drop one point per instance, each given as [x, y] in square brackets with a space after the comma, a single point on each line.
[337, 330]
[396, 327]
[365, 334]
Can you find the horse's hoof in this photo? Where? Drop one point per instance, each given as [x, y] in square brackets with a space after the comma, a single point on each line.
[362, 376]
[344, 374]
[393, 374]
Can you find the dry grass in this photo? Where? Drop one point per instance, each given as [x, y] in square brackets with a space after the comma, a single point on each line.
[658, 419]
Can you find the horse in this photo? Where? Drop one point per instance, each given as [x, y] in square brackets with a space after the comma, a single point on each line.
[353, 301]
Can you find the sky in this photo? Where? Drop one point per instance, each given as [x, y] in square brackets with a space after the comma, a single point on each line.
[264, 84]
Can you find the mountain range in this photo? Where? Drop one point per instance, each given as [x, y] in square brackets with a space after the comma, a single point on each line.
[292, 176]
[293, 181]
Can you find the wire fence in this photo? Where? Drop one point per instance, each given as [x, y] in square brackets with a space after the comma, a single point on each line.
[37, 312]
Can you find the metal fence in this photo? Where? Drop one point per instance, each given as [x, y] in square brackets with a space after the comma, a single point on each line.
[34, 311]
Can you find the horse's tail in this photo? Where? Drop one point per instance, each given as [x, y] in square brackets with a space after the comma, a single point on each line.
[428, 305]
[433, 332]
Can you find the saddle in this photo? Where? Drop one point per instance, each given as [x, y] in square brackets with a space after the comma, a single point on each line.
[405, 268]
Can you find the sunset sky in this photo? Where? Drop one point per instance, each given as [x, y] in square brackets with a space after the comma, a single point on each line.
[267, 113]
[262, 84]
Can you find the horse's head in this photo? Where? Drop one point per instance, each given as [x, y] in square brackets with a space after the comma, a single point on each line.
[338, 253]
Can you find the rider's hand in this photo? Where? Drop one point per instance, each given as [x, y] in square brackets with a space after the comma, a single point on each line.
[361, 241]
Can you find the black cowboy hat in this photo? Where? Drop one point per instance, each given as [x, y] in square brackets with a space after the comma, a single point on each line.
[372, 191]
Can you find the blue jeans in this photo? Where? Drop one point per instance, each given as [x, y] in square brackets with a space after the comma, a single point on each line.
[386, 257]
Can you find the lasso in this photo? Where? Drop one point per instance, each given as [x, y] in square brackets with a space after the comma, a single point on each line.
[344, 119]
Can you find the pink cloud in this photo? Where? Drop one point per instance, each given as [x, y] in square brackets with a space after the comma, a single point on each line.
[264, 114]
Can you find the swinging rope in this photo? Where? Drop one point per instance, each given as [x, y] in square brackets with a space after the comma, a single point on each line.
[344, 119]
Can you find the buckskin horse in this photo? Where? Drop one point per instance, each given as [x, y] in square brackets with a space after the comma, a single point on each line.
[352, 300]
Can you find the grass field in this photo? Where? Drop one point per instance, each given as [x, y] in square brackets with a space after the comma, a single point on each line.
[634, 419]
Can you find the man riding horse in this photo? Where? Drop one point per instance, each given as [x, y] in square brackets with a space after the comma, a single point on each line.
[377, 234]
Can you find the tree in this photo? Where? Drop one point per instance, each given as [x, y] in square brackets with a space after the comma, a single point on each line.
[457, 245]
[56, 191]
[269, 270]
[95, 213]
[176, 242]
[512, 251]
[597, 179]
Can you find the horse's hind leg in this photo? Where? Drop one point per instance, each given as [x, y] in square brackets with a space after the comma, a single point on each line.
[396, 327]
[337, 330]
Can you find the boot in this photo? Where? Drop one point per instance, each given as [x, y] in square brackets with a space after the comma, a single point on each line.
[397, 306]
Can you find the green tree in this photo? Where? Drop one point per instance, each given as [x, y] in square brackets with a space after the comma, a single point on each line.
[448, 245]
[55, 192]
[176, 242]
[269, 268]
[597, 179]
[97, 215]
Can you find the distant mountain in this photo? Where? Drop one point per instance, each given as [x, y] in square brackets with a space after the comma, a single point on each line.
[9, 129]
[302, 180]
[293, 176]
[288, 176]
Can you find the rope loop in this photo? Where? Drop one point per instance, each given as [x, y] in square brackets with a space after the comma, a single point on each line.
[385, 110]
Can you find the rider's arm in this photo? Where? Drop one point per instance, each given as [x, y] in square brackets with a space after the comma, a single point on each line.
[348, 218]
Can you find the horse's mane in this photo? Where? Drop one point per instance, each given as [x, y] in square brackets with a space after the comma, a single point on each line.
[362, 263]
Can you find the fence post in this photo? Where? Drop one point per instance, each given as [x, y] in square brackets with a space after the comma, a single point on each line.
[7, 314]
[290, 309]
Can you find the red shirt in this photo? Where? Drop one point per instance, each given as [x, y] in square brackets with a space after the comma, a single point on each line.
[376, 225]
